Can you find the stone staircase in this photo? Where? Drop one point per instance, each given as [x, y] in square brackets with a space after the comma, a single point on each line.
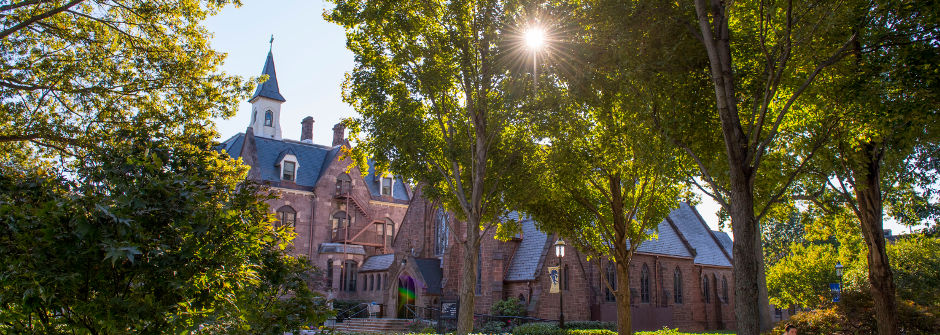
[373, 325]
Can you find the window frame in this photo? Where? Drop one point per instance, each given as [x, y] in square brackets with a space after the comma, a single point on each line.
[293, 170]
[645, 284]
[281, 214]
[269, 118]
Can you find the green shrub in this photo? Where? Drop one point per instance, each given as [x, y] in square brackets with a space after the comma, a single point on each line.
[591, 325]
[664, 331]
[493, 327]
[854, 315]
[508, 307]
[590, 331]
[538, 328]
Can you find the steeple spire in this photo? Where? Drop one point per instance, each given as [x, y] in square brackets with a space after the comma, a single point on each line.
[269, 89]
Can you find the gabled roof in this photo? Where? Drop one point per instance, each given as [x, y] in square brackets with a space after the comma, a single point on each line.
[525, 261]
[269, 89]
[725, 241]
[708, 250]
[311, 158]
[399, 192]
[668, 242]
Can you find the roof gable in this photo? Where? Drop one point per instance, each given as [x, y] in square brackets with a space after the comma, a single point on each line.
[708, 251]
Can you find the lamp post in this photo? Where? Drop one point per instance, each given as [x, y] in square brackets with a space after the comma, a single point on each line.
[839, 274]
[560, 253]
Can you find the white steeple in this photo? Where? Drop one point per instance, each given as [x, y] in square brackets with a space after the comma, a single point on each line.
[266, 103]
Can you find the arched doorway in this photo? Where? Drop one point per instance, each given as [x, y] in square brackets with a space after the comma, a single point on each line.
[406, 296]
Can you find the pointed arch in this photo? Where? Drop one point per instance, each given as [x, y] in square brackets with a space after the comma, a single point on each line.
[645, 284]
[677, 286]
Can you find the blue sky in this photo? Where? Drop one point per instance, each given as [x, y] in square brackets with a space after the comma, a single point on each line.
[311, 58]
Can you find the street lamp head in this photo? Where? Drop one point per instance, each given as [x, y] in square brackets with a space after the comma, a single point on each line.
[839, 269]
[560, 248]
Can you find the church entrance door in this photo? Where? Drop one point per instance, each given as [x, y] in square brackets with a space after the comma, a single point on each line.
[406, 297]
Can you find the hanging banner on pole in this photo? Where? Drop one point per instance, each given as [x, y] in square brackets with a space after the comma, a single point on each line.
[553, 274]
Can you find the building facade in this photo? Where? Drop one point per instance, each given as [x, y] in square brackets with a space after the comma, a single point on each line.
[378, 239]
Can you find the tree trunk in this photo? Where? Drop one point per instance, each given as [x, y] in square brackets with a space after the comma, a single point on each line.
[468, 282]
[868, 193]
[748, 275]
[747, 267]
[624, 316]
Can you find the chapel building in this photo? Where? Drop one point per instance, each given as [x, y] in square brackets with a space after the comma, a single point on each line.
[378, 240]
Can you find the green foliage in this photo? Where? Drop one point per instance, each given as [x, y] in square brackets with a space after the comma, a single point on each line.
[74, 71]
[591, 325]
[590, 331]
[802, 278]
[538, 328]
[915, 262]
[154, 233]
[492, 327]
[508, 307]
[854, 315]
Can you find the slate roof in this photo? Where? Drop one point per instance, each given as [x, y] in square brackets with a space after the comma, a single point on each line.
[725, 241]
[337, 248]
[696, 232]
[431, 271]
[525, 261]
[269, 88]
[311, 158]
[667, 242]
[377, 263]
[399, 192]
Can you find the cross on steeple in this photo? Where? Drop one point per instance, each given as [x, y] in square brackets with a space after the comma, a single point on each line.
[271, 46]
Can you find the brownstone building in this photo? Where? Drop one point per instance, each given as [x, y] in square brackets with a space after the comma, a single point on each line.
[380, 241]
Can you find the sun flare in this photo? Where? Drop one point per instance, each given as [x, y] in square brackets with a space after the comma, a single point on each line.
[535, 38]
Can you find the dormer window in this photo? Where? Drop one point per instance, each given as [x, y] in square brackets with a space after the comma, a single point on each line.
[288, 170]
[268, 119]
[387, 186]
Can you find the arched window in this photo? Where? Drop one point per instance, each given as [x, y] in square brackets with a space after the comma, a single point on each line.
[522, 298]
[269, 119]
[378, 285]
[705, 289]
[441, 232]
[286, 216]
[338, 222]
[724, 289]
[677, 286]
[329, 274]
[612, 280]
[645, 284]
[343, 184]
[479, 271]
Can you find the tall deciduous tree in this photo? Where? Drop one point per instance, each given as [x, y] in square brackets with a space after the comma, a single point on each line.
[884, 150]
[763, 56]
[432, 85]
[605, 179]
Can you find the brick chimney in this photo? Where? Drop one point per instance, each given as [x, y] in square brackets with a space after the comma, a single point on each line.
[306, 130]
[339, 134]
